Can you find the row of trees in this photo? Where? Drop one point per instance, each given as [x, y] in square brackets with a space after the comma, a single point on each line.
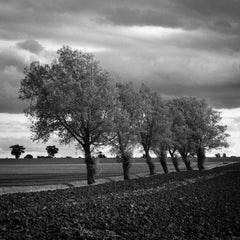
[17, 151]
[75, 98]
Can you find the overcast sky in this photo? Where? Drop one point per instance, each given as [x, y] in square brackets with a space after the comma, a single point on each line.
[179, 47]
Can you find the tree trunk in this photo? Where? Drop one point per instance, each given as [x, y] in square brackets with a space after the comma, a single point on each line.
[163, 161]
[90, 173]
[175, 161]
[150, 163]
[186, 161]
[201, 158]
[126, 165]
[91, 165]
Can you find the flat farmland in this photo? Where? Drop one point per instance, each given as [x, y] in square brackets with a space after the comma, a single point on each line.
[23, 172]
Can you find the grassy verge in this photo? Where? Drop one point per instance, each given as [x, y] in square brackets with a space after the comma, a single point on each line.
[186, 205]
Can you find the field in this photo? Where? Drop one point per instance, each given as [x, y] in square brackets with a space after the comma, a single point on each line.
[186, 205]
[21, 172]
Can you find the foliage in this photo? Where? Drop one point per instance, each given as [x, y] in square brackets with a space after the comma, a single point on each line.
[101, 155]
[73, 97]
[29, 156]
[162, 137]
[205, 124]
[17, 150]
[52, 150]
[196, 127]
[122, 137]
[151, 121]
[181, 133]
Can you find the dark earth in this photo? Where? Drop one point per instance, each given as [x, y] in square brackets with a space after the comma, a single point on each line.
[185, 205]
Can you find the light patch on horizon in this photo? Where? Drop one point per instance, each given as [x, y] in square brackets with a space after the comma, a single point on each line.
[14, 125]
[15, 129]
[231, 118]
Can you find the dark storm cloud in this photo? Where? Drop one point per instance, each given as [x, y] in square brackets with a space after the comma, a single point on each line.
[34, 18]
[180, 73]
[187, 59]
[11, 71]
[140, 17]
[11, 104]
[216, 14]
[31, 45]
[219, 95]
[42, 19]
[9, 87]
[10, 58]
[45, 19]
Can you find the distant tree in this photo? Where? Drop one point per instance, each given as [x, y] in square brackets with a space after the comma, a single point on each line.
[52, 150]
[217, 155]
[224, 155]
[101, 155]
[28, 156]
[73, 97]
[17, 150]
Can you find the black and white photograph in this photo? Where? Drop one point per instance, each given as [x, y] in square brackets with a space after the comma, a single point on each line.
[120, 119]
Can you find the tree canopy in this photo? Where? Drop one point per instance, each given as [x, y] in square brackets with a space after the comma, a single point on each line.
[52, 150]
[196, 128]
[123, 136]
[17, 150]
[73, 97]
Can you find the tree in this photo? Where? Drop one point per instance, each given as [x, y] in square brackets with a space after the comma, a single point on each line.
[198, 128]
[101, 155]
[123, 134]
[73, 97]
[207, 131]
[161, 153]
[52, 150]
[181, 133]
[174, 121]
[175, 159]
[162, 135]
[17, 150]
[148, 108]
